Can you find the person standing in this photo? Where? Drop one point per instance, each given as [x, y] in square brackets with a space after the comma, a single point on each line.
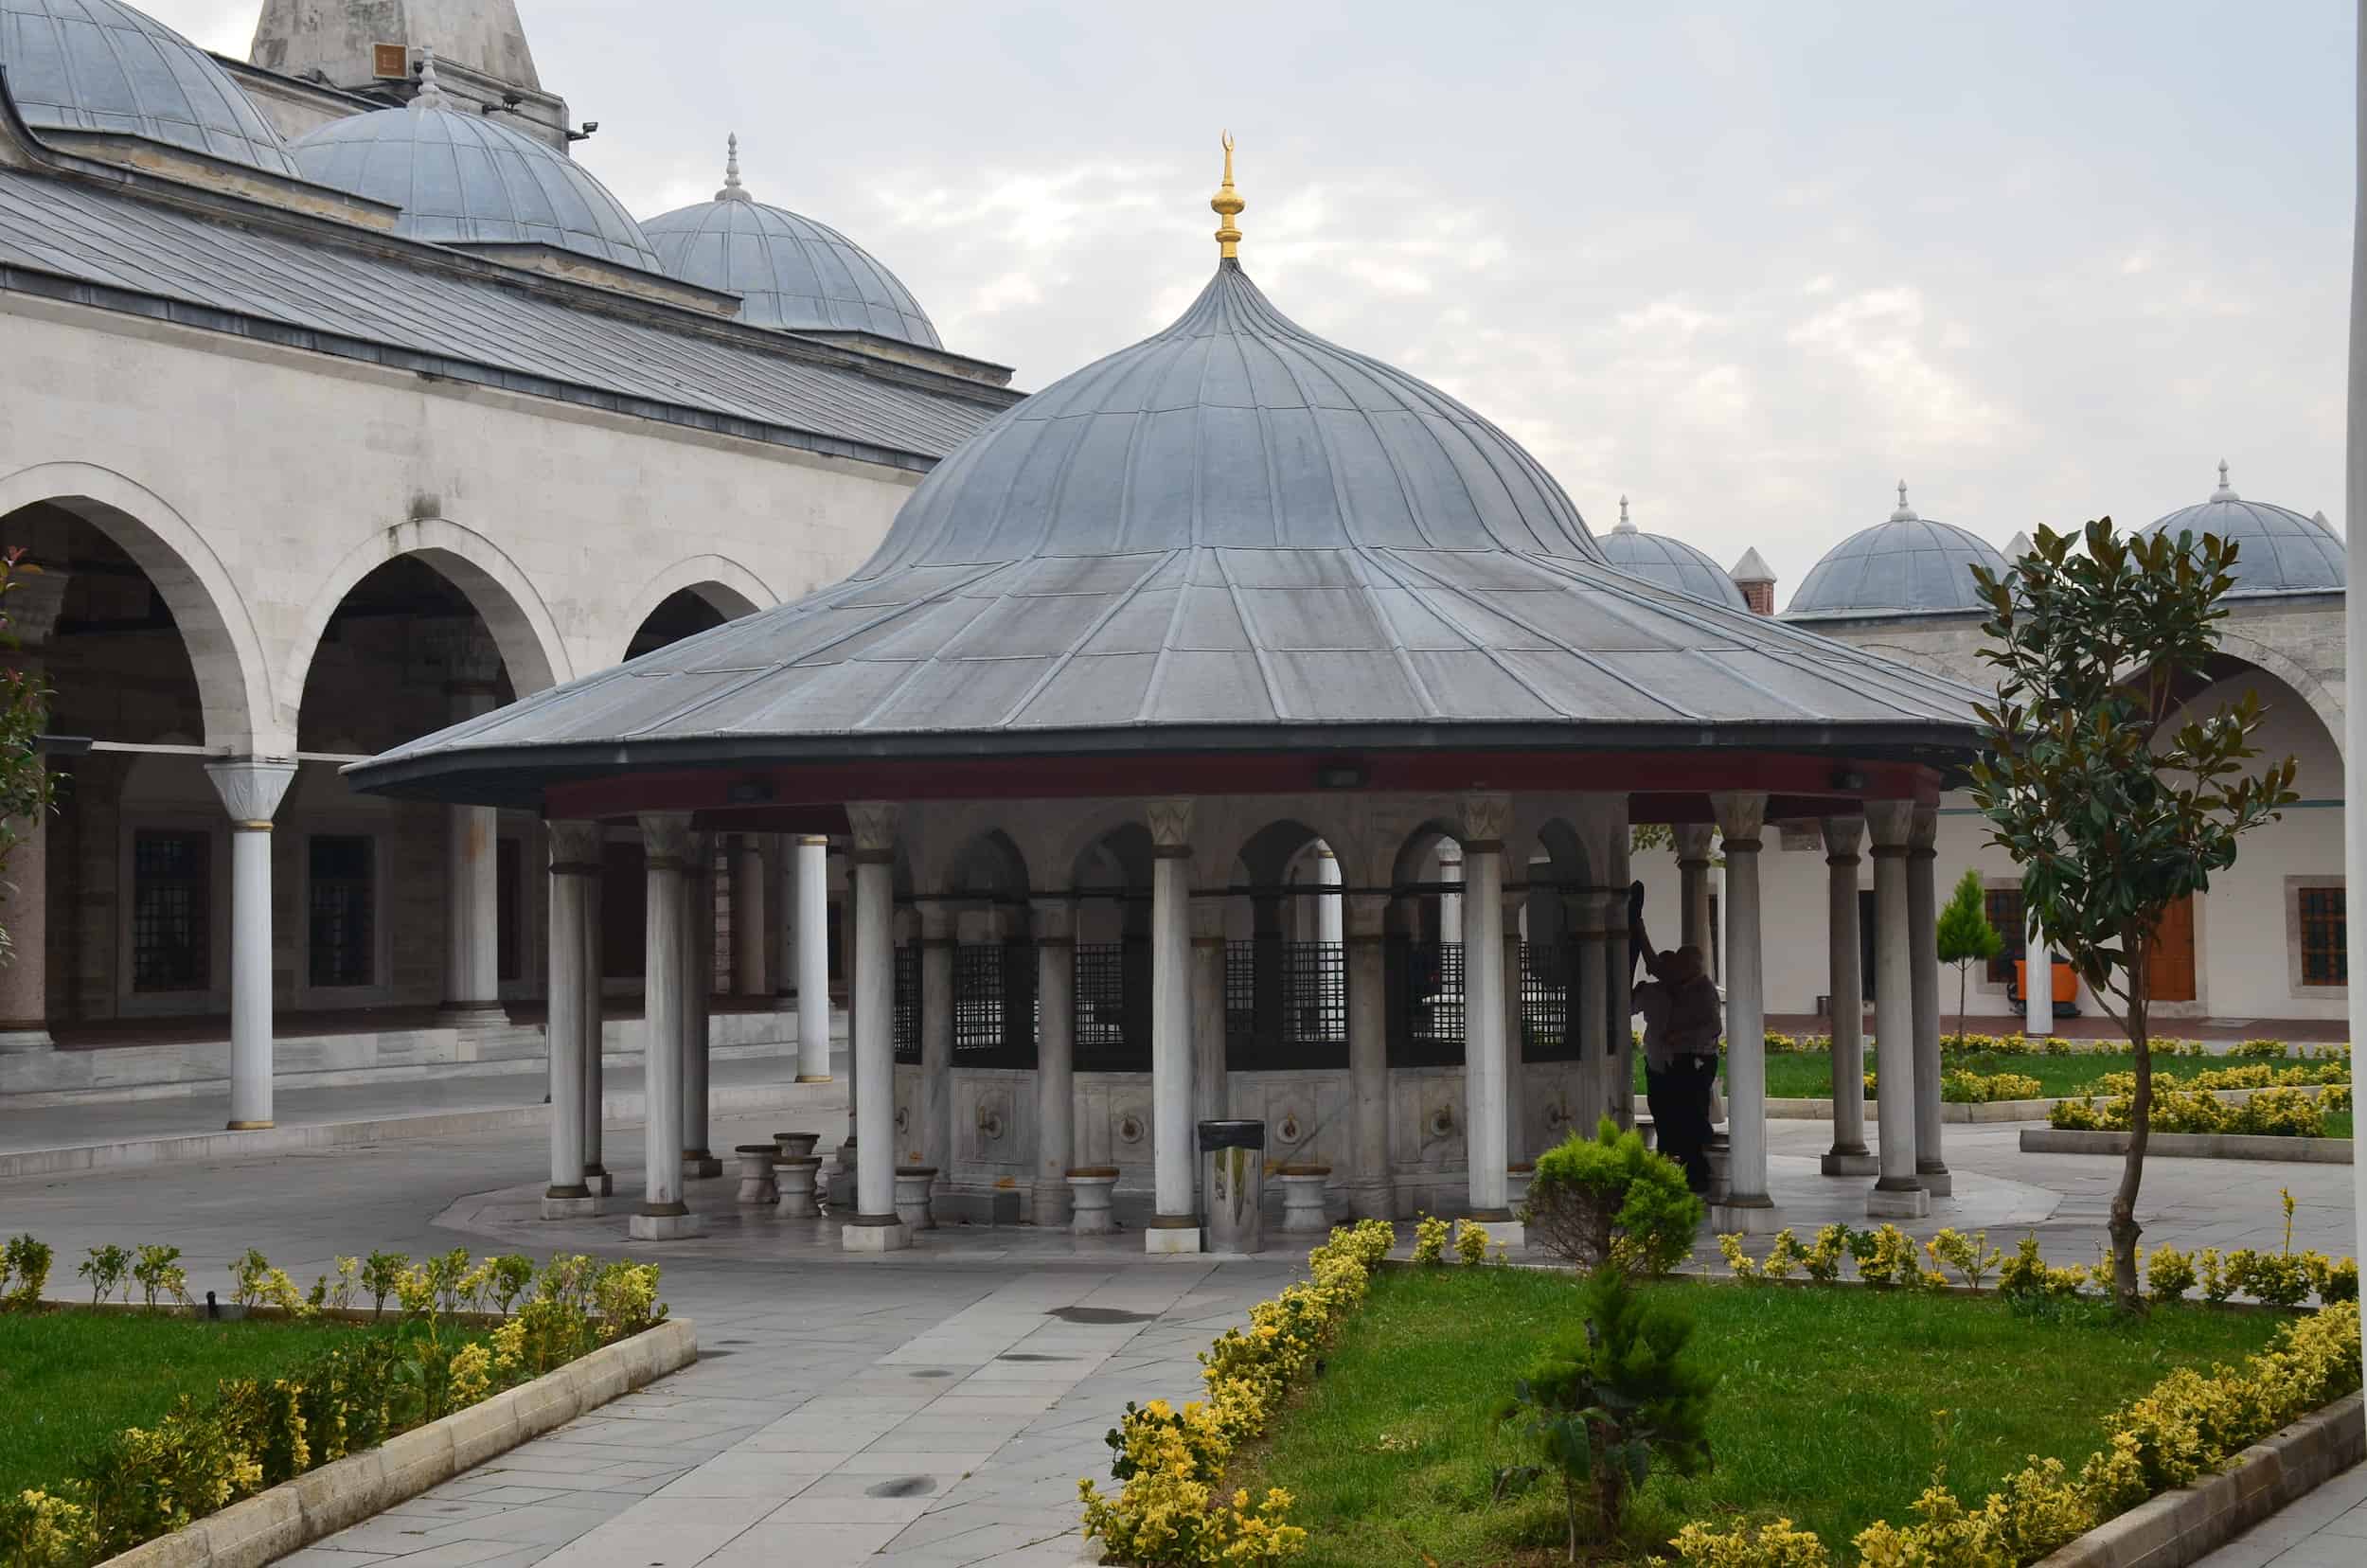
[1682, 1024]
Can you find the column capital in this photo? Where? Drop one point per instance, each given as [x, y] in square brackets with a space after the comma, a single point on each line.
[1923, 834]
[1365, 917]
[666, 839]
[1841, 835]
[576, 847]
[813, 841]
[874, 824]
[936, 919]
[1208, 918]
[1741, 817]
[1170, 823]
[1692, 841]
[1889, 823]
[1486, 819]
[251, 788]
[1055, 917]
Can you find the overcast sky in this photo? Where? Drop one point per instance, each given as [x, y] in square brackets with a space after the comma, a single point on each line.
[1748, 264]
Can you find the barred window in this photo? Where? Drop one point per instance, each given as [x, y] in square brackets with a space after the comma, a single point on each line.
[1548, 976]
[1426, 1004]
[2005, 908]
[906, 1032]
[2325, 937]
[172, 901]
[342, 909]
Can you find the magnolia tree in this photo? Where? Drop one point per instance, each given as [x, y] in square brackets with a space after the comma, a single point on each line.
[2113, 812]
[1965, 937]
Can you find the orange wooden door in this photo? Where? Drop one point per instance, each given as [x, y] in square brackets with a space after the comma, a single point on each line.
[2171, 965]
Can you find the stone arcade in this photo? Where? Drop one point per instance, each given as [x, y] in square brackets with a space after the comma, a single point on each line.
[1153, 729]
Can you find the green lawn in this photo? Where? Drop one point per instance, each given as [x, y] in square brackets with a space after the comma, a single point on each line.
[1825, 1412]
[70, 1379]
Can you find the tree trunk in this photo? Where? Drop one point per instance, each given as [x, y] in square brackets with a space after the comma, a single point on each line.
[2126, 1294]
[1963, 972]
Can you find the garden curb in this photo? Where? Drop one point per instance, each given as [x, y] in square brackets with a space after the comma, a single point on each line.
[318, 1504]
[2190, 1146]
[2183, 1527]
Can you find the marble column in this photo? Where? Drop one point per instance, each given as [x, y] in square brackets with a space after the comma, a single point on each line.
[849, 956]
[2037, 1017]
[1486, 1136]
[751, 950]
[1591, 1011]
[1175, 1227]
[473, 890]
[1849, 1155]
[669, 849]
[575, 862]
[1619, 973]
[932, 1140]
[1515, 1035]
[34, 601]
[1372, 1185]
[594, 1013]
[871, 992]
[1694, 840]
[1922, 919]
[1741, 817]
[1056, 1057]
[1450, 903]
[1330, 920]
[813, 958]
[698, 1160]
[1897, 1194]
[251, 789]
[1211, 1099]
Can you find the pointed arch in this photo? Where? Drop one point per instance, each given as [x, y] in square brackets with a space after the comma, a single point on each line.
[729, 589]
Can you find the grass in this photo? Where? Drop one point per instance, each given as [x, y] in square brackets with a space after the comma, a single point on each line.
[1809, 1075]
[70, 1379]
[1825, 1410]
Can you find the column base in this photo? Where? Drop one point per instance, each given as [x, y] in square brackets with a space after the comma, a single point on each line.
[701, 1165]
[25, 1042]
[875, 1233]
[1935, 1179]
[1371, 1199]
[1851, 1161]
[645, 1226]
[251, 1126]
[1050, 1204]
[569, 1203]
[815, 1077]
[1746, 1216]
[1904, 1200]
[1172, 1243]
[597, 1182]
[472, 1015]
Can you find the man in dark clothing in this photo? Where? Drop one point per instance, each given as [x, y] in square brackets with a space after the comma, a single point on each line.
[1682, 1024]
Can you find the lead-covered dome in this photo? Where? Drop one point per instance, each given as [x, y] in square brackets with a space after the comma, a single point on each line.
[466, 179]
[100, 67]
[1670, 562]
[1910, 566]
[2278, 550]
[790, 271]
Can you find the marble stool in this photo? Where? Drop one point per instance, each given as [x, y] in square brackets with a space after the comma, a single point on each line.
[1089, 1189]
[796, 1146]
[795, 1179]
[1303, 1198]
[756, 1173]
[912, 1196]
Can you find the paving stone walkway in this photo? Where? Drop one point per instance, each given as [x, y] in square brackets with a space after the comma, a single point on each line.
[2326, 1530]
[935, 1408]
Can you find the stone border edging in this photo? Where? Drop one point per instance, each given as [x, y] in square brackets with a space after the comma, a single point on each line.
[2183, 1527]
[319, 1503]
[2191, 1146]
[1976, 1112]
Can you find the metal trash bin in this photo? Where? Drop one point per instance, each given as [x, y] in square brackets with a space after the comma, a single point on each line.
[1233, 1173]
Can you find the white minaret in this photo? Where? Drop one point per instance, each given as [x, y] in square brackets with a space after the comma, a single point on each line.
[338, 38]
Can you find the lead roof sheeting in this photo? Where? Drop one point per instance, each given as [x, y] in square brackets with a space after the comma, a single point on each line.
[2278, 550]
[100, 238]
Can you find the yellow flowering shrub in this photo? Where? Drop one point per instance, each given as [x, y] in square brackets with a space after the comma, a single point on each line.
[1471, 1242]
[38, 1530]
[1429, 1239]
[1772, 1545]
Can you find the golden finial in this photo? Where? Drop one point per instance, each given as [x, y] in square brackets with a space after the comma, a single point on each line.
[1227, 204]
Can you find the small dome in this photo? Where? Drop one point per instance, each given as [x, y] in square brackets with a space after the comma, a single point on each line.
[1910, 565]
[790, 271]
[2278, 550]
[1670, 562]
[466, 179]
[100, 67]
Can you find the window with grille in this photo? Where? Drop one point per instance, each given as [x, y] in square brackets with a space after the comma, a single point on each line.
[2005, 908]
[1427, 1022]
[1315, 1005]
[719, 902]
[172, 900]
[1240, 1004]
[1548, 976]
[342, 909]
[1113, 1020]
[2325, 937]
[907, 1029]
[994, 1005]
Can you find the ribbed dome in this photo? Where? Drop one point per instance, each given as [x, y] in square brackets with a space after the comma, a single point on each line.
[466, 179]
[790, 271]
[1670, 562]
[2278, 550]
[1910, 566]
[95, 66]
[1232, 535]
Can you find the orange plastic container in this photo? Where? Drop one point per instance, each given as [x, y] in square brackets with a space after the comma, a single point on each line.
[2066, 981]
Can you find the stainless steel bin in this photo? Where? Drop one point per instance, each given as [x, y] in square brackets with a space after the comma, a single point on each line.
[1233, 1173]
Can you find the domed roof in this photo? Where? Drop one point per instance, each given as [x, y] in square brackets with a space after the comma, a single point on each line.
[98, 66]
[1910, 565]
[790, 271]
[2279, 551]
[466, 179]
[1670, 562]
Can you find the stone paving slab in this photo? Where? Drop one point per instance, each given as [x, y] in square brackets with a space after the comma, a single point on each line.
[2326, 1529]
